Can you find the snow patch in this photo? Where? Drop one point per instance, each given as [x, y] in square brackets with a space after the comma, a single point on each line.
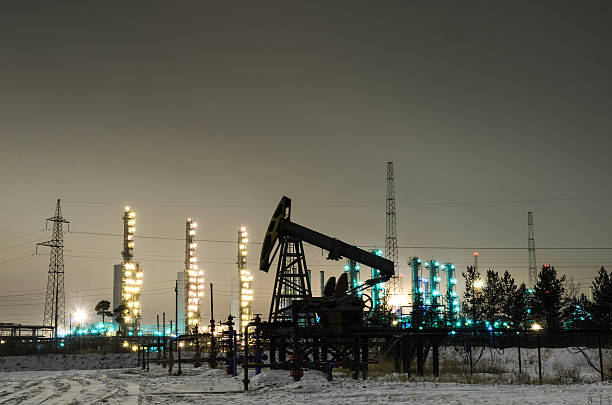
[57, 362]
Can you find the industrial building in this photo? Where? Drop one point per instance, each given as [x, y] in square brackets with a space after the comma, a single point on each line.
[127, 280]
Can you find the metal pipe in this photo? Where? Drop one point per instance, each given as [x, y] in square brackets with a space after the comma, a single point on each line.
[600, 359]
[245, 361]
[176, 308]
[539, 363]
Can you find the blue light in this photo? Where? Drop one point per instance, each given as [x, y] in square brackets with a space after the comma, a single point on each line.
[490, 328]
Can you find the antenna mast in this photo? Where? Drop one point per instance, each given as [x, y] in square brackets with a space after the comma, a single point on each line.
[391, 233]
[55, 312]
[531, 253]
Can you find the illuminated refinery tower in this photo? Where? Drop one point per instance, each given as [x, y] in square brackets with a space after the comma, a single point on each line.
[128, 279]
[353, 269]
[417, 290]
[378, 290]
[434, 285]
[417, 293]
[193, 279]
[245, 280]
[452, 300]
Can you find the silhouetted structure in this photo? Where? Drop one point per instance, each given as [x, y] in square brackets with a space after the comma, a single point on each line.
[393, 285]
[531, 254]
[54, 315]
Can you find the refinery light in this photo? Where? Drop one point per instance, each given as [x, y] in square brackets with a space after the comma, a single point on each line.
[80, 317]
[246, 280]
[132, 276]
[194, 279]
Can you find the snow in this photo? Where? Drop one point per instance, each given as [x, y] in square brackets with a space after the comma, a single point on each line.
[204, 385]
[67, 362]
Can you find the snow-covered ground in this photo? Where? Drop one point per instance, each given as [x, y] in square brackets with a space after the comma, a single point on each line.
[132, 386]
[204, 385]
[570, 365]
[58, 362]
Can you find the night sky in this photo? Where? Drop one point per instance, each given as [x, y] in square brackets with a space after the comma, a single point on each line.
[215, 110]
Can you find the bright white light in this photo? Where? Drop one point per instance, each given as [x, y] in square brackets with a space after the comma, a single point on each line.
[478, 284]
[397, 301]
[536, 326]
[80, 316]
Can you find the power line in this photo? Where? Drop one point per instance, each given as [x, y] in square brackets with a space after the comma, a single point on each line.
[351, 205]
[499, 247]
[21, 244]
[21, 236]
[371, 245]
[19, 213]
[506, 201]
[17, 258]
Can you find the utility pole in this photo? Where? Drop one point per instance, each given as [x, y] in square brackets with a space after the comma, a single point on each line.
[394, 287]
[55, 313]
[531, 253]
[176, 308]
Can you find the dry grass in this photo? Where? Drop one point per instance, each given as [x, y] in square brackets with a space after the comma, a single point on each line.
[490, 367]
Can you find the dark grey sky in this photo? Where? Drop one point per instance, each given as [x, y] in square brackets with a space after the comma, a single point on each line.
[215, 110]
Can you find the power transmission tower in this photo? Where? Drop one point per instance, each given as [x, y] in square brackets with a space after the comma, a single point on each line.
[391, 232]
[531, 253]
[55, 301]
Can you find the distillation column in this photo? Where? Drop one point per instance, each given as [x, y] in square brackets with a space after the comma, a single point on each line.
[193, 279]
[245, 280]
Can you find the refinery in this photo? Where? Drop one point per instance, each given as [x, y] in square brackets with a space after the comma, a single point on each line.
[359, 319]
[347, 202]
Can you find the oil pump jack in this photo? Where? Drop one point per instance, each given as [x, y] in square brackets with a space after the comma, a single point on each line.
[292, 291]
[317, 332]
